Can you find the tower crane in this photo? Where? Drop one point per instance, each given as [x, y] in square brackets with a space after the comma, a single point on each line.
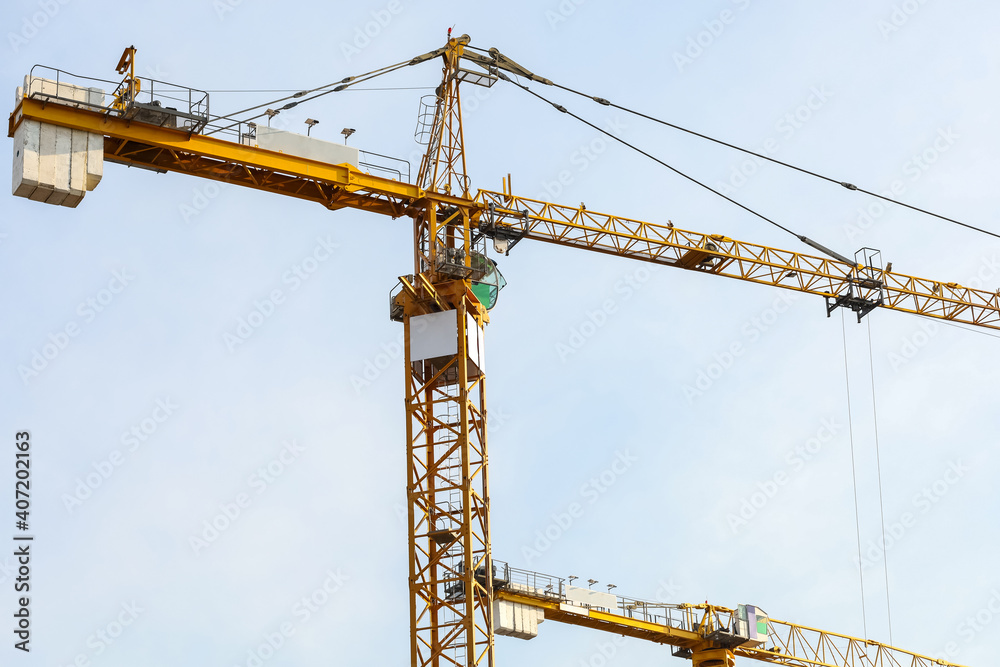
[459, 596]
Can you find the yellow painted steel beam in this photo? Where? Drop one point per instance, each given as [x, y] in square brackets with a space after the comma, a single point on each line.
[715, 254]
[800, 645]
[339, 186]
[447, 492]
[163, 148]
[451, 585]
[793, 645]
[601, 620]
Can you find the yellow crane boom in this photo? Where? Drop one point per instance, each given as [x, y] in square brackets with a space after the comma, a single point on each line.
[854, 284]
[708, 634]
[339, 186]
[452, 580]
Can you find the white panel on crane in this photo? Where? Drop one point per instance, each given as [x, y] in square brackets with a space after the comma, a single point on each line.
[477, 346]
[572, 609]
[435, 335]
[305, 146]
[591, 598]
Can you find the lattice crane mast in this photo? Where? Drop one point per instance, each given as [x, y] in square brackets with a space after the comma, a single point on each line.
[63, 131]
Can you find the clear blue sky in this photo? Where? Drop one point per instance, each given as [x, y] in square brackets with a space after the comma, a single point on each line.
[738, 487]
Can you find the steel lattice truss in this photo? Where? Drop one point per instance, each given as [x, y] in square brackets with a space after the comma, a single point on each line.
[448, 508]
[704, 629]
[719, 255]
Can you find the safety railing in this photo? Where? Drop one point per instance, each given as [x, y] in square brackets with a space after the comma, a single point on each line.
[394, 167]
[145, 99]
[679, 616]
[48, 84]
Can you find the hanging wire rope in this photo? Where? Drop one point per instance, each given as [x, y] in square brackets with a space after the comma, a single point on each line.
[854, 474]
[800, 237]
[850, 186]
[959, 326]
[562, 109]
[293, 90]
[315, 93]
[878, 468]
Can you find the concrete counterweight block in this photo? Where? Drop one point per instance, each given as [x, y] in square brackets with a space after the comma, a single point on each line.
[26, 146]
[512, 619]
[55, 164]
[95, 144]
